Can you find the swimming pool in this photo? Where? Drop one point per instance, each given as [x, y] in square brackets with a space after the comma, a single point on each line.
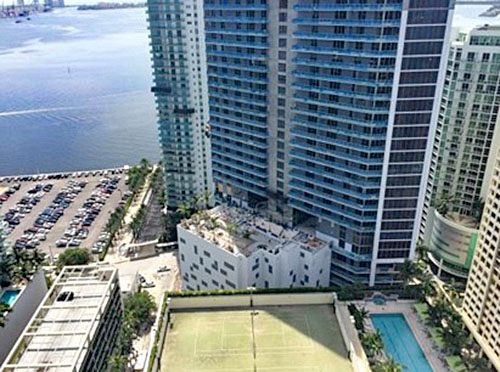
[400, 342]
[9, 296]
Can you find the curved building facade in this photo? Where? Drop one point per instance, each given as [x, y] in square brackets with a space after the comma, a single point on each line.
[452, 242]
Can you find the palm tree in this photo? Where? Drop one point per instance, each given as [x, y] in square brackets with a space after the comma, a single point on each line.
[427, 288]
[360, 315]
[117, 362]
[231, 228]
[444, 204]
[144, 163]
[373, 343]
[389, 365]
[407, 271]
[422, 250]
[439, 311]
[477, 209]
[207, 198]
[477, 364]
[184, 209]
[454, 289]
[4, 309]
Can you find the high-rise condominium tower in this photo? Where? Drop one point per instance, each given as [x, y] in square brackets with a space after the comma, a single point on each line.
[481, 307]
[180, 88]
[326, 110]
[467, 139]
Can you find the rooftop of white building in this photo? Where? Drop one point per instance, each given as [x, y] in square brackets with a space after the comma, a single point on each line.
[242, 231]
[57, 337]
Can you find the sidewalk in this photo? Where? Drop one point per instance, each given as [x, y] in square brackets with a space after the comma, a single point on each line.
[113, 255]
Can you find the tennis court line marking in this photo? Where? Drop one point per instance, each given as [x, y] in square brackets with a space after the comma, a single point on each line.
[240, 351]
[297, 369]
[309, 335]
[196, 337]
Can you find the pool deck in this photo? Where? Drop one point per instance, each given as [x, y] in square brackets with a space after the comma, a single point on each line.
[432, 353]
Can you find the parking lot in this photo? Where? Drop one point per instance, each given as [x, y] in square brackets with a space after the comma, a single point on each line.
[70, 210]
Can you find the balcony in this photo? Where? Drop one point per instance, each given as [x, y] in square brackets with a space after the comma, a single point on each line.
[245, 131]
[234, 117]
[342, 65]
[339, 216]
[230, 6]
[341, 105]
[342, 79]
[237, 55]
[250, 90]
[247, 168]
[344, 51]
[243, 110]
[232, 76]
[349, 169]
[345, 93]
[242, 146]
[333, 153]
[242, 99]
[235, 31]
[338, 130]
[294, 184]
[336, 142]
[350, 6]
[344, 119]
[238, 43]
[235, 19]
[249, 183]
[237, 66]
[345, 22]
[298, 174]
[349, 37]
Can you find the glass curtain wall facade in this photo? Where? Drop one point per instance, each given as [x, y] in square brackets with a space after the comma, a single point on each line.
[181, 92]
[331, 108]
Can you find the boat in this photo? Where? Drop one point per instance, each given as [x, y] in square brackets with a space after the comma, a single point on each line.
[18, 21]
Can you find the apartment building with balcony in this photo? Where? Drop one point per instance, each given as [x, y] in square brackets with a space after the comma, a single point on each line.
[328, 109]
[180, 89]
[233, 248]
[481, 305]
[467, 140]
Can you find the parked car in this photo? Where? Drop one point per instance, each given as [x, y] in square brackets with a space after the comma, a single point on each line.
[162, 269]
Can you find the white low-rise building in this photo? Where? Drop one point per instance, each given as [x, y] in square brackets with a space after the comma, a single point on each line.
[228, 248]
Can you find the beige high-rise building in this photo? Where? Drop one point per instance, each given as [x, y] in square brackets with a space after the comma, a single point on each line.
[481, 309]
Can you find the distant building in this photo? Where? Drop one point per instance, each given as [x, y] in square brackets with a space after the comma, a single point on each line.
[181, 92]
[23, 301]
[481, 305]
[228, 248]
[75, 327]
[467, 138]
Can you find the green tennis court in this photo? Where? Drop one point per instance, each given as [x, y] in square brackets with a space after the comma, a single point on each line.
[267, 339]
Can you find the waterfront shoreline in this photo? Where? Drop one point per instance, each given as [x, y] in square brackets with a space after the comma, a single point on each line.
[64, 174]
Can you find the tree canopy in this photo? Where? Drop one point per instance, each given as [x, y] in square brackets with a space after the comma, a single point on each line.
[73, 256]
